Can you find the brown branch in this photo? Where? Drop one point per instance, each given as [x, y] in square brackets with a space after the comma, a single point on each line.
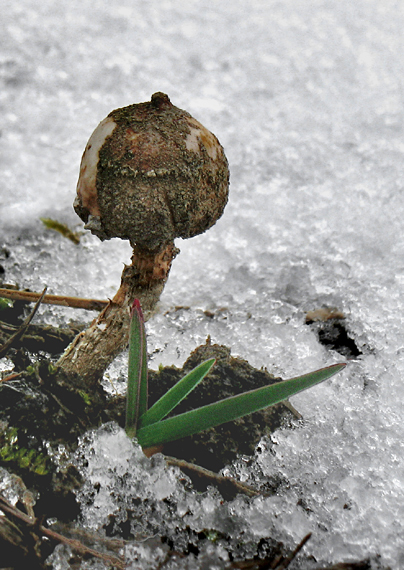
[285, 563]
[42, 337]
[228, 486]
[74, 302]
[12, 376]
[6, 507]
[22, 329]
[278, 562]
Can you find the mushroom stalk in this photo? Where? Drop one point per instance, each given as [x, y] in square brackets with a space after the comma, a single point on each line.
[93, 350]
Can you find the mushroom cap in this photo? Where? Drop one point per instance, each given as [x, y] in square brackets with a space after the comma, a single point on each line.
[150, 173]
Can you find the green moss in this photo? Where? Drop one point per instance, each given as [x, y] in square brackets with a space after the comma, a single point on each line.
[12, 452]
[212, 535]
[61, 229]
[85, 396]
[52, 369]
[5, 303]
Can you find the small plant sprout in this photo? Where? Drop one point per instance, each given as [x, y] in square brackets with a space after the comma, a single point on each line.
[149, 425]
[137, 386]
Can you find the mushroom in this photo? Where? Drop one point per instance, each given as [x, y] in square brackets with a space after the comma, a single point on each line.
[150, 173]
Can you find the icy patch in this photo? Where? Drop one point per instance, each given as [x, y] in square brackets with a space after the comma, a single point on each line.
[13, 489]
[41, 258]
[6, 367]
[125, 490]
[63, 558]
[338, 492]
[115, 380]
[116, 472]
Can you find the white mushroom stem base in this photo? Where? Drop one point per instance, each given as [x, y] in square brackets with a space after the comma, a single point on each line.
[93, 350]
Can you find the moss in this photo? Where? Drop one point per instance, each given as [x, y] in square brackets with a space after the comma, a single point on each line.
[85, 396]
[26, 459]
[5, 304]
[61, 229]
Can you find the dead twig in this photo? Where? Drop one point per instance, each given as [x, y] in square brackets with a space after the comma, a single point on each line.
[74, 302]
[12, 376]
[40, 337]
[22, 329]
[7, 508]
[228, 486]
[87, 536]
[278, 562]
[285, 563]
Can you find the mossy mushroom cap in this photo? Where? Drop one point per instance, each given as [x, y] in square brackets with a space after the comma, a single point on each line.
[150, 173]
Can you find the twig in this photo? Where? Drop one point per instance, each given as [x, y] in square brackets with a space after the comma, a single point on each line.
[292, 409]
[285, 563]
[116, 561]
[278, 562]
[41, 337]
[226, 485]
[20, 332]
[74, 302]
[84, 535]
[12, 376]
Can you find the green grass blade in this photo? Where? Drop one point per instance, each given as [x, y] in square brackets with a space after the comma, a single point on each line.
[176, 394]
[230, 409]
[136, 398]
[144, 387]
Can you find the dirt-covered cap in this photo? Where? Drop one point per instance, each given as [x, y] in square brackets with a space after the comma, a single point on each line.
[150, 173]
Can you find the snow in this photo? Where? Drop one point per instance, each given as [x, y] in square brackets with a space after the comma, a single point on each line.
[307, 100]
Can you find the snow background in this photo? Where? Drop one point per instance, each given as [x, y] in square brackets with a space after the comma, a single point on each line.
[307, 100]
